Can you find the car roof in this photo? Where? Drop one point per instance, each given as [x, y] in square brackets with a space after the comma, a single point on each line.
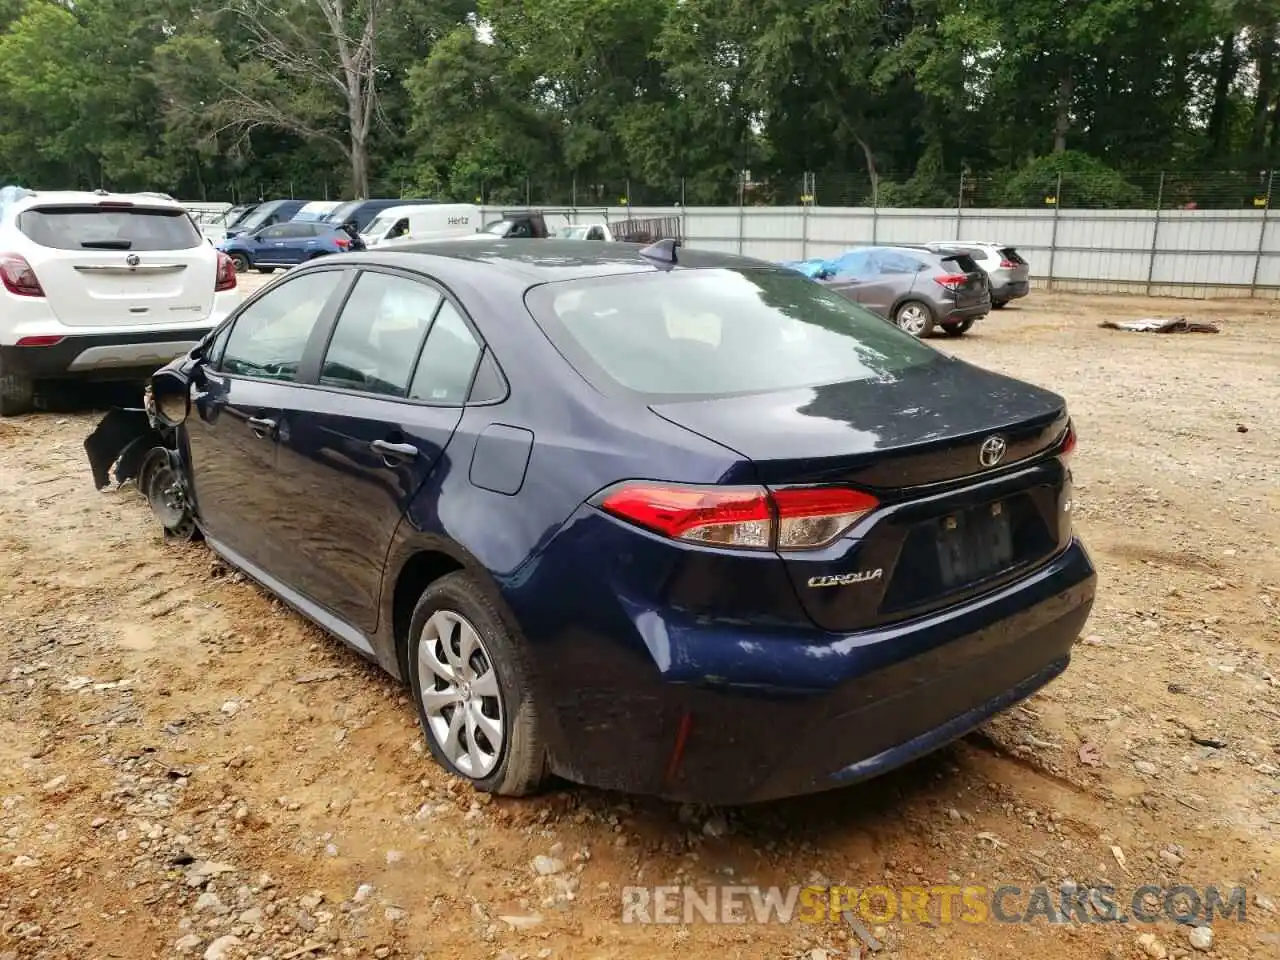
[532, 262]
[38, 198]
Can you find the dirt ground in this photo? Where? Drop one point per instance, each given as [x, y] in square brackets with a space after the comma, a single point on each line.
[187, 768]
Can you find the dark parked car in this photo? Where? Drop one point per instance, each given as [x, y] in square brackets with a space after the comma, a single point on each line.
[358, 214]
[287, 245]
[658, 520]
[914, 287]
[265, 215]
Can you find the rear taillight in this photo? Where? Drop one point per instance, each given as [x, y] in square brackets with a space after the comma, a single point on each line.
[18, 277]
[1068, 443]
[47, 340]
[341, 243]
[1008, 264]
[226, 276]
[952, 281]
[751, 518]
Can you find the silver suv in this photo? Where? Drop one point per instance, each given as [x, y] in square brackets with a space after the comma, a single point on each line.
[1008, 274]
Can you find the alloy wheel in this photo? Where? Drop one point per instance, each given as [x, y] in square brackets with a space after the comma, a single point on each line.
[913, 318]
[460, 694]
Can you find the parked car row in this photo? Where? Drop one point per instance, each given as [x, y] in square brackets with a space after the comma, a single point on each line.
[922, 288]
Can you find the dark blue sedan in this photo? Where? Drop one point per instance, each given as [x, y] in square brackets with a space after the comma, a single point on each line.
[659, 520]
[287, 245]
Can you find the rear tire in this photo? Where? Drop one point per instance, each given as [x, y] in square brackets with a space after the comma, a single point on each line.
[241, 262]
[17, 394]
[266, 269]
[957, 329]
[914, 318]
[999, 304]
[486, 689]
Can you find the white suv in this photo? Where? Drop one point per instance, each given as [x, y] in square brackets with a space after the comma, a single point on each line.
[1008, 274]
[101, 286]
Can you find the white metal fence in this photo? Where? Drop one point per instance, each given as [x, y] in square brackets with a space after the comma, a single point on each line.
[1181, 253]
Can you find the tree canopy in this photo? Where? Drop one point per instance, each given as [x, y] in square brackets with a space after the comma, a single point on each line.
[657, 101]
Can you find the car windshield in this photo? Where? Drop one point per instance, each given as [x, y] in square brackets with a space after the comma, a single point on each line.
[344, 212]
[93, 227]
[498, 228]
[572, 233]
[716, 332]
[380, 225]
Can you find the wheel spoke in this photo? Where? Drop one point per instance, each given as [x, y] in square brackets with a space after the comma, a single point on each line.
[486, 684]
[429, 664]
[479, 764]
[444, 627]
[491, 728]
[452, 747]
[434, 701]
[468, 643]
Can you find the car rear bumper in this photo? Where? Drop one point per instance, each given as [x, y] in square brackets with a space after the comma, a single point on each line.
[972, 311]
[117, 355]
[1010, 290]
[730, 715]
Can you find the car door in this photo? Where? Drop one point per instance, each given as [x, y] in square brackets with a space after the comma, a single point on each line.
[301, 241]
[846, 274]
[269, 245]
[894, 275]
[238, 401]
[388, 396]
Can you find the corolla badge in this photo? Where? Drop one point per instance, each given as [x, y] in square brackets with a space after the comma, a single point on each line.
[845, 579]
[992, 451]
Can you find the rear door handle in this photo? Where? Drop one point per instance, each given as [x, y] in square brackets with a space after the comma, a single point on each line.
[262, 426]
[394, 451]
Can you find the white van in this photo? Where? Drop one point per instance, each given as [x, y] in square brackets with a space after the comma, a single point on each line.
[435, 221]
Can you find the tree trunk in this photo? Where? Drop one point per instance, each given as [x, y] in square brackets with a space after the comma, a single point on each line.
[1062, 111]
[1265, 57]
[359, 168]
[1228, 66]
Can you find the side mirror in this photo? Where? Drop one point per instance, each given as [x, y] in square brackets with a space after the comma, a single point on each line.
[168, 398]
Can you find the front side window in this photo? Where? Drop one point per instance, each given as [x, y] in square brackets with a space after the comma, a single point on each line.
[378, 335]
[718, 331]
[270, 336]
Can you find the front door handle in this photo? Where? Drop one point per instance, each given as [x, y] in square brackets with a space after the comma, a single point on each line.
[262, 426]
[394, 452]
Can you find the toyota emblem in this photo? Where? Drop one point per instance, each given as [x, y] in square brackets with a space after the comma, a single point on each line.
[992, 451]
[132, 260]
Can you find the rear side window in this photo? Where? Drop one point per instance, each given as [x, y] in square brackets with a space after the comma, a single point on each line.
[716, 332]
[448, 360]
[378, 335]
[891, 261]
[97, 228]
[271, 334]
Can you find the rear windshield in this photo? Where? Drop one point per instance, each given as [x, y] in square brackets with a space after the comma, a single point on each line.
[717, 332]
[98, 228]
[962, 261]
[1012, 255]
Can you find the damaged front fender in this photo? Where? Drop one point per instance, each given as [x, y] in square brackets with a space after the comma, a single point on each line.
[122, 440]
[140, 444]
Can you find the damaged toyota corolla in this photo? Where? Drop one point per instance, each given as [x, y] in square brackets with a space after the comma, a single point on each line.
[652, 519]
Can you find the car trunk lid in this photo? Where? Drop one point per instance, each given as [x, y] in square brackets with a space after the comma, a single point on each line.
[963, 278]
[1012, 262]
[117, 264]
[957, 457]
